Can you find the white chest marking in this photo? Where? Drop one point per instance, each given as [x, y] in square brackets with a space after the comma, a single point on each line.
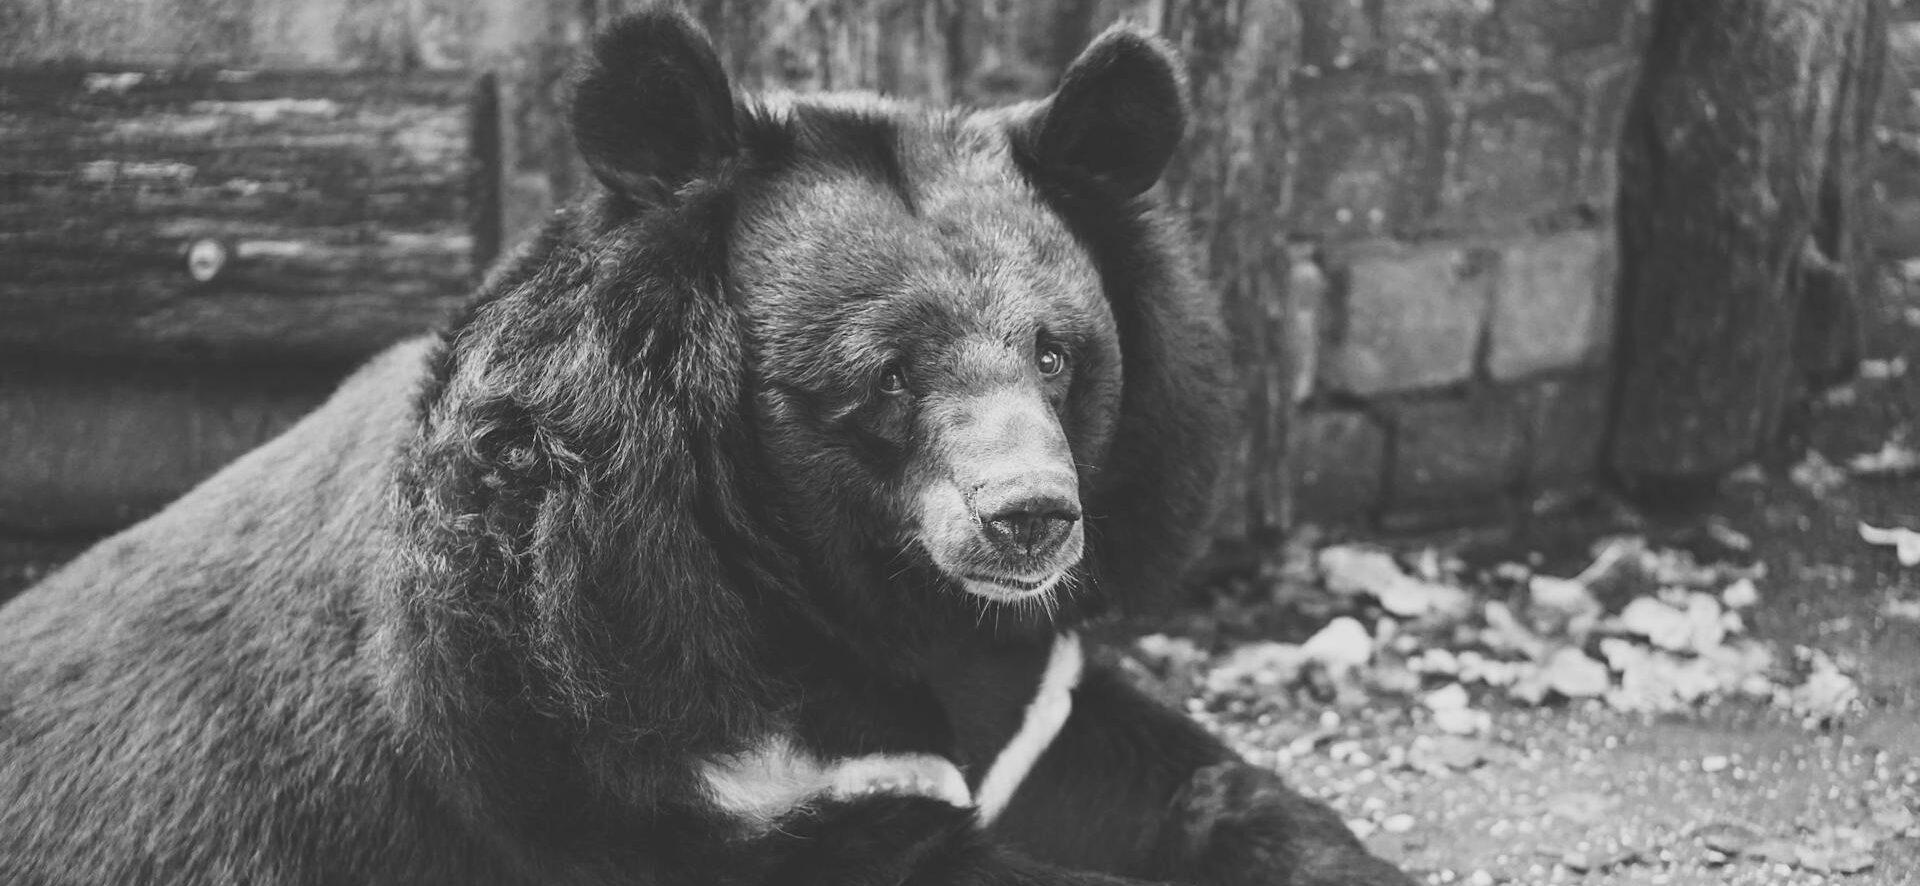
[776, 778]
[1046, 714]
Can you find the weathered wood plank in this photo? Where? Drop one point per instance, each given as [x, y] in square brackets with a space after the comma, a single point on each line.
[232, 215]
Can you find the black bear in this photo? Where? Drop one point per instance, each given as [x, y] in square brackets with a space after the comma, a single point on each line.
[734, 533]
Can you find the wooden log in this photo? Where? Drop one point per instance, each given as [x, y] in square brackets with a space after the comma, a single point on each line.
[1741, 161]
[231, 215]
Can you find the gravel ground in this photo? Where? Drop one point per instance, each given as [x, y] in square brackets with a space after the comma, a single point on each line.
[1735, 792]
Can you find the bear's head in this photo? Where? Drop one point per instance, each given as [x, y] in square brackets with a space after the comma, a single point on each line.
[835, 361]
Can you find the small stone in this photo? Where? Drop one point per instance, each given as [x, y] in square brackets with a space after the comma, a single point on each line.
[1398, 824]
[1463, 721]
[1714, 763]
[1775, 850]
[1662, 625]
[1893, 458]
[1342, 645]
[1742, 594]
[1892, 817]
[1881, 370]
[1452, 697]
[1850, 861]
[1350, 570]
[1505, 632]
[1827, 694]
[1436, 661]
[1905, 542]
[1572, 674]
[1726, 838]
[1817, 475]
[1561, 596]
[1704, 617]
[1531, 687]
[1901, 610]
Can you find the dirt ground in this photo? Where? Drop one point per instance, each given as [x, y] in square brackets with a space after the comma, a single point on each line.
[1726, 793]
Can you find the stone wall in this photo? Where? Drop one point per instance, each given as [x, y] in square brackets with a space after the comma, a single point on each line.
[1454, 252]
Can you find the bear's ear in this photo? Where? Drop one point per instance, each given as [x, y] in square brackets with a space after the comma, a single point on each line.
[652, 109]
[1118, 115]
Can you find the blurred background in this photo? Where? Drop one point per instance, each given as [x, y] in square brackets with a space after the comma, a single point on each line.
[1558, 323]
[1481, 258]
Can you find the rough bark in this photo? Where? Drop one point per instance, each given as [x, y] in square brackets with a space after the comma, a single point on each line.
[1233, 180]
[1742, 176]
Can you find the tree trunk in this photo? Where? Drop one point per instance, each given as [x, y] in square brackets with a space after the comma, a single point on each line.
[1232, 180]
[1742, 172]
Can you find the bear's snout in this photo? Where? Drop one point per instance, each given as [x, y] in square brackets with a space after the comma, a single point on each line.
[1029, 516]
[1004, 515]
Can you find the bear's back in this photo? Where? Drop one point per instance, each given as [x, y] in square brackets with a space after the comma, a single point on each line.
[191, 700]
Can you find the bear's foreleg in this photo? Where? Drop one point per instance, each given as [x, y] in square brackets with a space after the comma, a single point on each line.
[899, 840]
[1132, 787]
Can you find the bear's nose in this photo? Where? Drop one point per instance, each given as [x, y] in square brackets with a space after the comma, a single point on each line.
[1031, 526]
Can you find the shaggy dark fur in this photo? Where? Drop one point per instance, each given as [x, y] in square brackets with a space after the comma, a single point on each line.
[816, 422]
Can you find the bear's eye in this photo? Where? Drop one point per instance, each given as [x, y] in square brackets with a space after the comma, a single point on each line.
[893, 378]
[1050, 358]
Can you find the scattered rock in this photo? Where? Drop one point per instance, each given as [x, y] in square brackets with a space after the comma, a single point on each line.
[1742, 594]
[1505, 633]
[1905, 542]
[1817, 475]
[1727, 838]
[1562, 605]
[1435, 661]
[1705, 618]
[1452, 697]
[1827, 695]
[1881, 370]
[1342, 645]
[1572, 674]
[1733, 539]
[1463, 722]
[1892, 817]
[1662, 625]
[1891, 460]
[1351, 570]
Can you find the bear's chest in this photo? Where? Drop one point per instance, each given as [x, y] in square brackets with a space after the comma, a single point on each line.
[968, 735]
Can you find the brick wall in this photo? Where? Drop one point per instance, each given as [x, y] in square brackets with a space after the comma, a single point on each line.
[1451, 203]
